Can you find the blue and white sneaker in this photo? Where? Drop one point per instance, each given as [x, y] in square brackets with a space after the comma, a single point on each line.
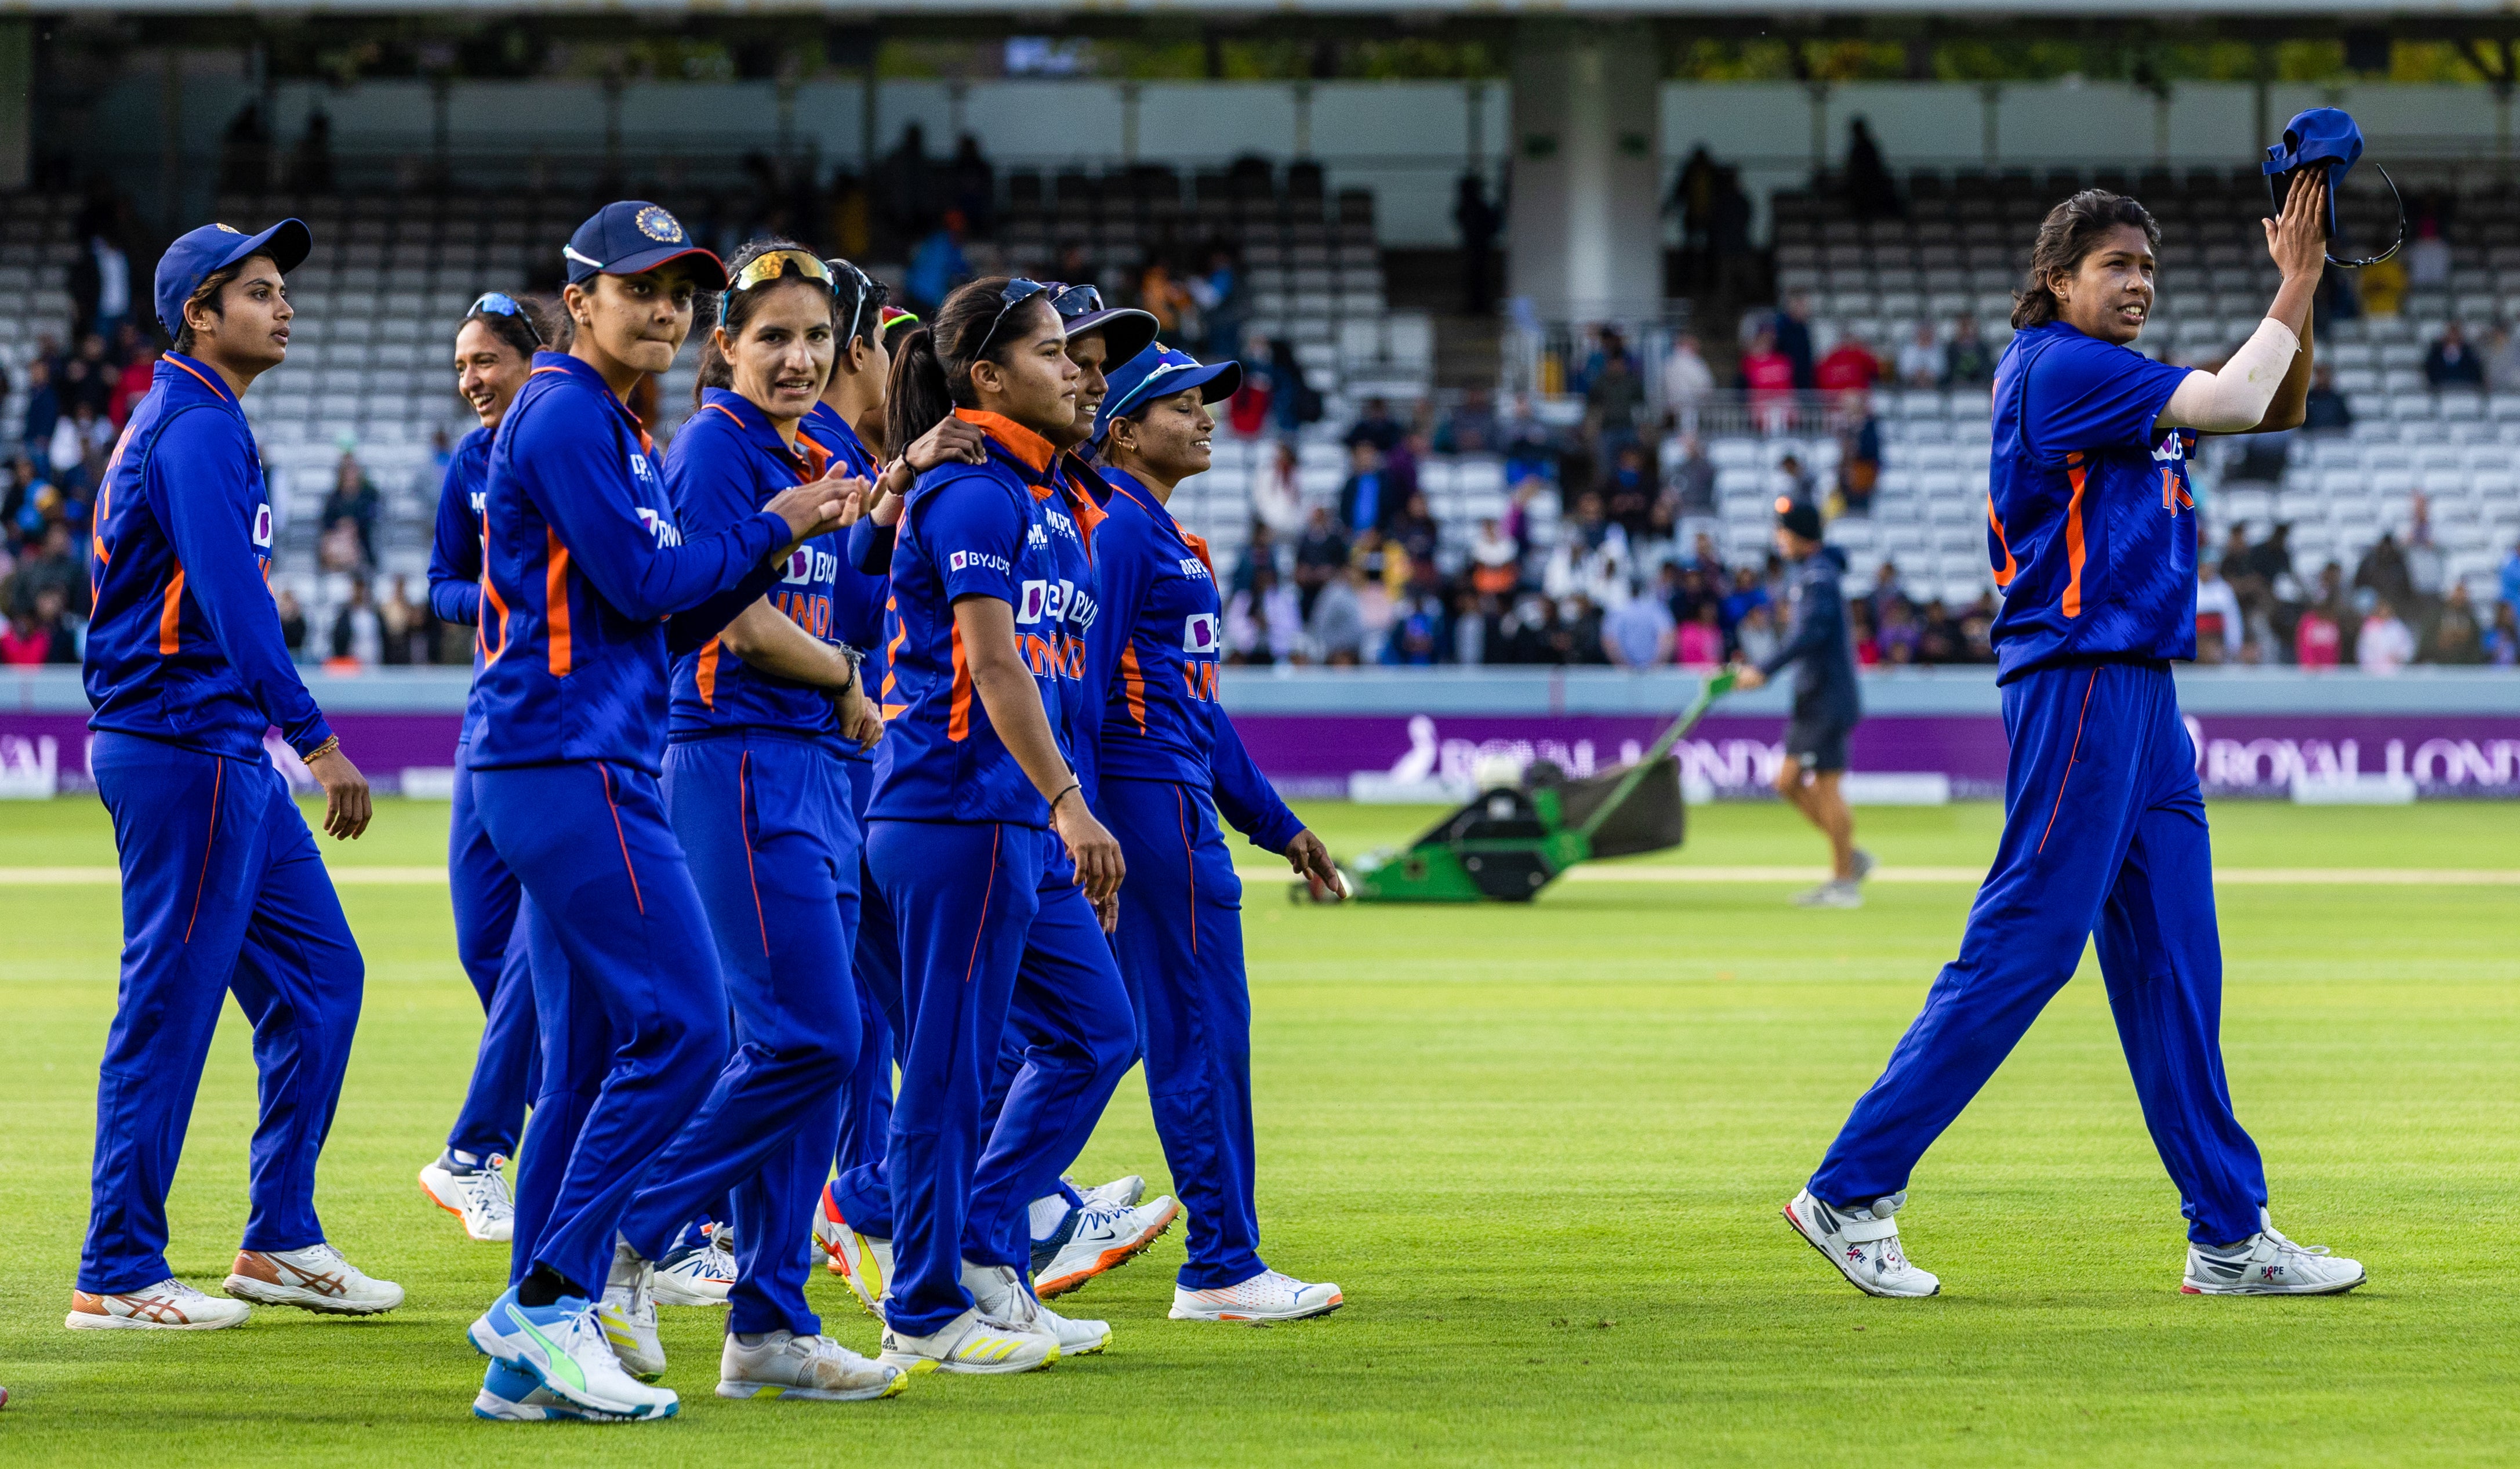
[1863, 1243]
[701, 1275]
[561, 1346]
[1122, 1192]
[510, 1396]
[2267, 1263]
[1096, 1238]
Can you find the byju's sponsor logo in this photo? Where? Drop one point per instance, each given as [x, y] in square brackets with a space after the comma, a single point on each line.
[1199, 633]
[262, 526]
[664, 530]
[1032, 602]
[807, 566]
[977, 561]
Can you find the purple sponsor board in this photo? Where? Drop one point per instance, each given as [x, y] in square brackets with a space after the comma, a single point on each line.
[1315, 755]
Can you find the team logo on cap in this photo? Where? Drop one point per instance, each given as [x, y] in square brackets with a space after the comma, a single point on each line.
[230, 229]
[658, 225]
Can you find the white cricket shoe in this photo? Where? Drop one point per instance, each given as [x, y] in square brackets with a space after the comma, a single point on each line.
[1120, 1193]
[862, 1259]
[316, 1279]
[563, 1347]
[628, 1314]
[784, 1364]
[1836, 893]
[1096, 1238]
[698, 1274]
[971, 1343]
[2268, 1264]
[1863, 1243]
[509, 1394]
[1862, 864]
[480, 1198]
[1001, 1294]
[1265, 1298]
[168, 1306]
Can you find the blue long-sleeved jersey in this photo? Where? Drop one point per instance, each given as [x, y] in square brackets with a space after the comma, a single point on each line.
[976, 529]
[1150, 706]
[455, 547]
[724, 466]
[583, 564]
[184, 644]
[860, 595]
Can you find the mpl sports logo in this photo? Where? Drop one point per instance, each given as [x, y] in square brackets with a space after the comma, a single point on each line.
[1192, 567]
[978, 561]
[1199, 633]
[262, 526]
[640, 470]
[664, 532]
[1036, 537]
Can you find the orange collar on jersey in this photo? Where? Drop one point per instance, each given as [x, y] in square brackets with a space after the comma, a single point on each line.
[1013, 436]
[210, 380]
[811, 459]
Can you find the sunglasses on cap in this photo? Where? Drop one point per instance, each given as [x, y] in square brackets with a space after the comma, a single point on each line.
[1073, 301]
[776, 265]
[500, 303]
[869, 289]
[1015, 292]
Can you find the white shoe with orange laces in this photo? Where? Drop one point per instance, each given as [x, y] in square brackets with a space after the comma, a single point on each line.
[316, 1279]
[168, 1306]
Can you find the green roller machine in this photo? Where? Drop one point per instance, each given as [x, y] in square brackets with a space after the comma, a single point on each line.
[1509, 844]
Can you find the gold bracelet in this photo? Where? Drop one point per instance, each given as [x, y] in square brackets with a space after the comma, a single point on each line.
[328, 746]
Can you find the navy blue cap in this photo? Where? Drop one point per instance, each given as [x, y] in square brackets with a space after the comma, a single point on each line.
[634, 236]
[1126, 330]
[1801, 517]
[196, 256]
[2322, 136]
[1161, 371]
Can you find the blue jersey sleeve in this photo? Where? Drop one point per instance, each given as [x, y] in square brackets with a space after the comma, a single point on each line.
[973, 531]
[1121, 572]
[1243, 795]
[619, 551]
[871, 546]
[707, 479]
[209, 520]
[455, 551]
[2086, 395]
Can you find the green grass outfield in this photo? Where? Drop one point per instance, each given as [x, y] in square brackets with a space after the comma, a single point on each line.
[1542, 1149]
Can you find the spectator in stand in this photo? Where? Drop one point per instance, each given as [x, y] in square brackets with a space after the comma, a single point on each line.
[1290, 393]
[1365, 501]
[1870, 192]
[1938, 634]
[1793, 328]
[293, 623]
[1335, 625]
[1768, 376]
[1264, 622]
[1614, 403]
[2383, 569]
[1261, 550]
[1691, 490]
[1858, 621]
[1591, 555]
[1628, 491]
[1858, 455]
[1967, 361]
[1175, 310]
[86, 438]
[1278, 495]
[1701, 639]
[1849, 368]
[138, 372]
[1794, 481]
[2428, 259]
[2503, 639]
[1479, 220]
[2427, 568]
[355, 504]
[2510, 576]
[1374, 424]
[1639, 632]
[1417, 632]
[938, 264]
[2456, 638]
[1321, 551]
[1748, 591]
[2451, 362]
[48, 567]
[1413, 533]
[2324, 410]
[1247, 411]
[1469, 427]
[1496, 562]
[1531, 449]
[1887, 590]
[409, 629]
[1222, 306]
[2318, 641]
[28, 642]
[1577, 642]
[2383, 644]
[1898, 633]
[1977, 630]
[1921, 361]
[43, 412]
[1687, 383]
[2219, 621]
[1474, 627]
[358, 633]
[1756, 639]
[96, 375]
[2503, 359]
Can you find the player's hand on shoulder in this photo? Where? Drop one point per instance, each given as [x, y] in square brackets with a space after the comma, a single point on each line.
[348, 806]
[951, 441]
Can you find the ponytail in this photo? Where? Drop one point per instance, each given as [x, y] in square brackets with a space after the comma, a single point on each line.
[916, 399]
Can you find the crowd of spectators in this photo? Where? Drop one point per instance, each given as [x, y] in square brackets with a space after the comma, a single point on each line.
[2395, 608]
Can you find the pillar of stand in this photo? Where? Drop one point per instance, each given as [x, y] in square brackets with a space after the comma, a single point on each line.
[1583, 231]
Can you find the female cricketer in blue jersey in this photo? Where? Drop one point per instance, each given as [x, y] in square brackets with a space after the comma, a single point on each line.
[2091, 529]
[971, 789]
[594, 586]
[222, 888]
[494, 350]
[1165, 762]
[758, 792]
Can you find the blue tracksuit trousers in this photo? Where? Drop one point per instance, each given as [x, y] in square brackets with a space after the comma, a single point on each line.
[774, 846]
[866, 1102]
[222, 890]
[491, 943]
[627, 994]
[977, 926]
[1179, 946]
[2103, 837]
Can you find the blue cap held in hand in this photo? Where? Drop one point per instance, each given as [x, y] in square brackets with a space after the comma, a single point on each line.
[634, 236]
[196, 256]
[1160, 372]
[2327, 138]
